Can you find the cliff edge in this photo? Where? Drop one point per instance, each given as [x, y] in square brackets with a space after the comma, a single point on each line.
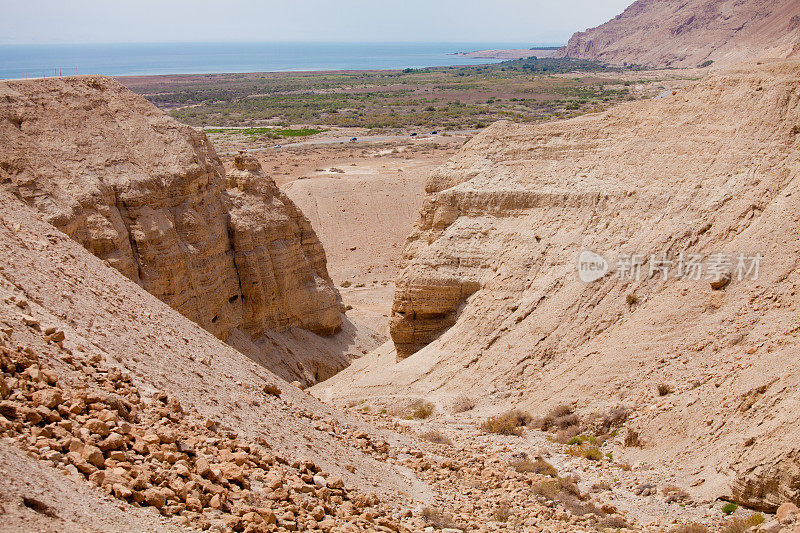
[149, 196]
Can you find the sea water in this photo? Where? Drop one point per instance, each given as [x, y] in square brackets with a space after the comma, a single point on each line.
[19, 61]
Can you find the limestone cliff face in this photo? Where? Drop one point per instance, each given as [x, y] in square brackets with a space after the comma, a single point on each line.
[490, 302]
[148, 195]
[280, 261]
[686, 33]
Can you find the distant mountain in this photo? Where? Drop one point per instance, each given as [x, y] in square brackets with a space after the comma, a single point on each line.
[687, 33]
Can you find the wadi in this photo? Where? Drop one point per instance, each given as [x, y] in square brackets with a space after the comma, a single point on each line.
[579, 316]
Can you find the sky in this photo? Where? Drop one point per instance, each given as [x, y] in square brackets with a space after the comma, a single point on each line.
[104, 21]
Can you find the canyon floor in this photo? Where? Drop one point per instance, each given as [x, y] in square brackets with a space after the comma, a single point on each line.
[362, 199]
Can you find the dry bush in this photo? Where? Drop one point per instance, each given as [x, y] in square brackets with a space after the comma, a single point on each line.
[508, 423]
[439, 519]
[421, 409]
[592, 453]
[564, 436]
[556, 489]
[674, 493]
[272, 390]
[502, 512]
[741, 525]
[632, 439]
[560, 417]
[615, 418]
[539, 466]
[690, 528]
[664, 389]
[616, 522]
[463, 403]
[436, 437]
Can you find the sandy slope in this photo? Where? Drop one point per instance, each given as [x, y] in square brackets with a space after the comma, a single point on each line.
[102, 312]
[710, 169]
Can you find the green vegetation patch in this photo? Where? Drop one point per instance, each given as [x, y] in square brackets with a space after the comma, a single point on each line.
[273, 133]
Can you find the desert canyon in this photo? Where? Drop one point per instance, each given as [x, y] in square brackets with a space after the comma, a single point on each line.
[377, 340]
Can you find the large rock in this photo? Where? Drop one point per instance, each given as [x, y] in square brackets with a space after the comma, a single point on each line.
[681, 33]
[148, 195]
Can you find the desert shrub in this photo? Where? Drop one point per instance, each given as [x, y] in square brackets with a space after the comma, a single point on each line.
[569, 435]
[560, 417]
[664, 389]
[538, 466]
[673, 493]
[463, 403]
[421, 409]
[632, 439]
[439, 519]
[345, 284]
[729, 508]
[615, 418]
[631, 299]
[593, 454]
[741, 525]
[614, 522]
[556, 489]
[689, 528]
[436, 437]
[272, 390]
[706, 63]
[508, 423]
[502, 512]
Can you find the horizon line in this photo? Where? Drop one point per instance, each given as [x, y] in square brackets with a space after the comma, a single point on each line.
[71, 43]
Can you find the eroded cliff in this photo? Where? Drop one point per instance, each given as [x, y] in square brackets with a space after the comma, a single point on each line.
[490, 303]
[148, 195]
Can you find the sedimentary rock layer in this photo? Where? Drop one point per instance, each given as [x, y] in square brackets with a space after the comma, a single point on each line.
[490, 302]
[148, 195]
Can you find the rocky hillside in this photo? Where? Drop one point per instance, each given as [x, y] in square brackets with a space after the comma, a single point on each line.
[119, 414]
[678, 33]
[150, 197]
[490, 303]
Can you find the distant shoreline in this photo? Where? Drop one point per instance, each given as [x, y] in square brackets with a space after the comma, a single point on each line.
[514, 53]
[141, 59]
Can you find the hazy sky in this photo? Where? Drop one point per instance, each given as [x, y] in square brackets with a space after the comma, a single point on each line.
[84, 21]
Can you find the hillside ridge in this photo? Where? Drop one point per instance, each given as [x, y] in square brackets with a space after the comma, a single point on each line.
[490, 304]
[679, 33]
